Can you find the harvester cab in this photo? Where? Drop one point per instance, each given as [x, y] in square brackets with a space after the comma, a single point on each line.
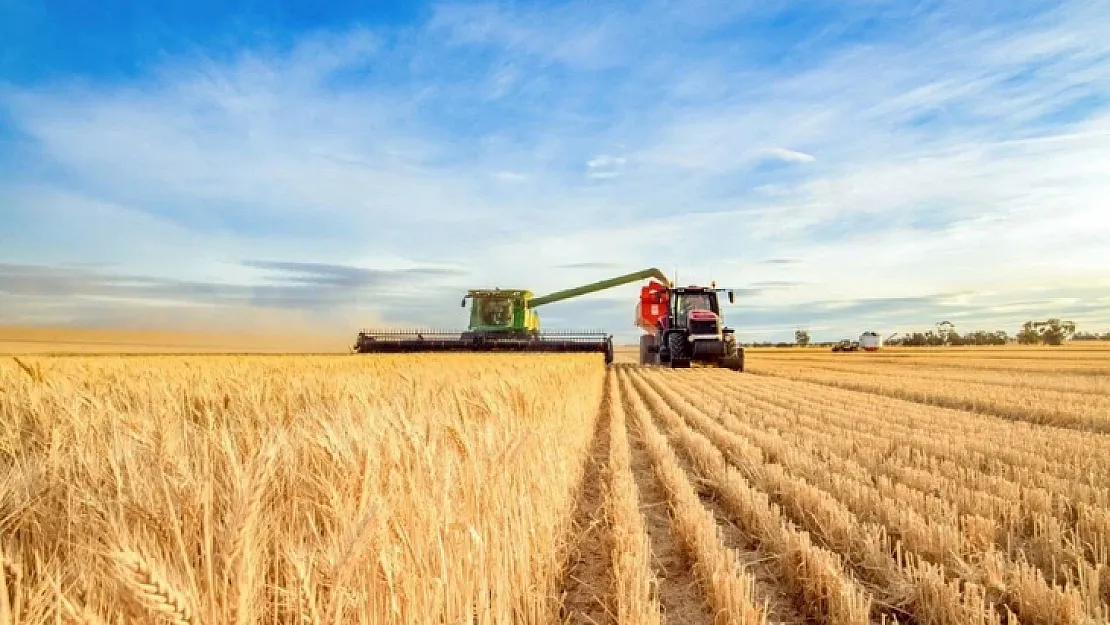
[500, 311]
[684, 325]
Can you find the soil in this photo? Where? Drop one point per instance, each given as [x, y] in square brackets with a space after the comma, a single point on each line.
[589, 580]
[681, 598]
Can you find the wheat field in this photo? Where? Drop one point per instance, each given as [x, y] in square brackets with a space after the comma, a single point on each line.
[947, 487]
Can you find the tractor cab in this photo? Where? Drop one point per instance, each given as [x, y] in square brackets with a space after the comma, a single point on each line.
[697, 309]
[690, 300]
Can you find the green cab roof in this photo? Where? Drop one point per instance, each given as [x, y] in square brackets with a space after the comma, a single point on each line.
[499, 293]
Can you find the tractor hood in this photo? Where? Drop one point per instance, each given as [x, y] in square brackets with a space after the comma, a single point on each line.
[702, 315]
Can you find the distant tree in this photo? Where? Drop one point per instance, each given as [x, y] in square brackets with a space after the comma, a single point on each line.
[916, 339]
[947, 334]
[982, 337]
[1028, 334]
[1054, 331]
[801, 337]
[1050, 332]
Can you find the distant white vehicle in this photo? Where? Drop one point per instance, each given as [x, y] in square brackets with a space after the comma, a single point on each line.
[870, 341]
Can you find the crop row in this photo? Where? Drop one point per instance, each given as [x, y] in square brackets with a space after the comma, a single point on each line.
[1030, 454]
[944, 485]
[1009, 380]
[1081, 411]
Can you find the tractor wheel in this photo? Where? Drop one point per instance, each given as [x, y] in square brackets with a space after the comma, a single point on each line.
[680, 350]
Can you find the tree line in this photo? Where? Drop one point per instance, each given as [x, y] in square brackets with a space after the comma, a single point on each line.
[1050, 331]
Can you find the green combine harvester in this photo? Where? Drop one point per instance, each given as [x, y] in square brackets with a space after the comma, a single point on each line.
[504, 320]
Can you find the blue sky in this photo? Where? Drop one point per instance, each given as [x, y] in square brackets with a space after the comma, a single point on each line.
[851, 165]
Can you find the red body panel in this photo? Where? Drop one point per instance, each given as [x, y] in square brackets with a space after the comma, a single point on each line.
[652, 307]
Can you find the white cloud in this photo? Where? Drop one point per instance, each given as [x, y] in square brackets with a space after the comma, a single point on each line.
[605, 166]
[791, 156]
[968, 163]
[605, 161]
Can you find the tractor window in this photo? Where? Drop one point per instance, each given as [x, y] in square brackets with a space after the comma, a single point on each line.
[694, 301]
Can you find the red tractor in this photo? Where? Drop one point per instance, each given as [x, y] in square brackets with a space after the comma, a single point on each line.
[685, 325]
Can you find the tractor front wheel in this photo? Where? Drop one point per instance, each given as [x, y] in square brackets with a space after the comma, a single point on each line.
[679, 349]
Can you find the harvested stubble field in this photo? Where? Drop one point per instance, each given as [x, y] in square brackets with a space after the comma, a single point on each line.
[546, 489]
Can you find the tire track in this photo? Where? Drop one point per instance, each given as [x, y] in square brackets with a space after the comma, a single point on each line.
[682, 601]
[771, 589]
[589, 578]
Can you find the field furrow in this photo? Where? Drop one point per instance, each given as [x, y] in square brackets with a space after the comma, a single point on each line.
[1010, 380]
[635, 589]
[1086, 362]
[730, 589]
[589, 572]
[903, 586]
[942, 491]
[820, 586]
[1031, 446]
[771, 589]
[1086, 412]
[1023, 589]
[1037, 505]
[962, 438]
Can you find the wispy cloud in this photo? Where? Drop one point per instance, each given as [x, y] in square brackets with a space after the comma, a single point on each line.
[869, 153]
[605, 166]
[791, 155]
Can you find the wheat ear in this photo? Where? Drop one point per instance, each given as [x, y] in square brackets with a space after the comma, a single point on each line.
[150, 587]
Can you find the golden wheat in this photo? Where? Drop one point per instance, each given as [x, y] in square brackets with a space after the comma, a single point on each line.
[451, 490]
[307, 489]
